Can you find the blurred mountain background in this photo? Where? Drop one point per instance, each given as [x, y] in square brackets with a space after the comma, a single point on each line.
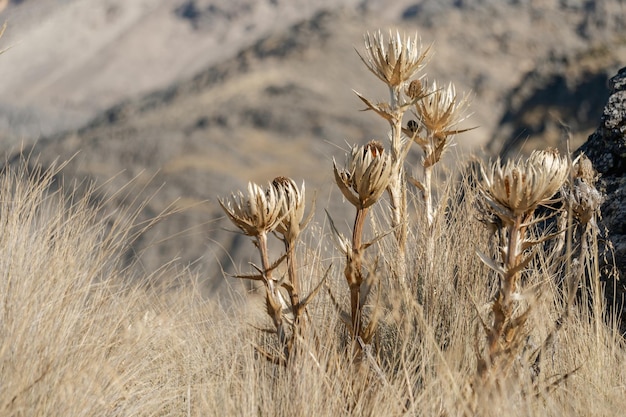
[190, 99]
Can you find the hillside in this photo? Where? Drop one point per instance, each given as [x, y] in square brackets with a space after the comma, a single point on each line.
[194, 98]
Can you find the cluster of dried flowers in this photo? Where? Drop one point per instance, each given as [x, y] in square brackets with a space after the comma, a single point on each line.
[511, 192]
[278, 208]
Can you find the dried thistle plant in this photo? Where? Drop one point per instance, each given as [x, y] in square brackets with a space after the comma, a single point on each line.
[438, 113]
[583, 194]
[583, 201]
[395, 60]
[292, 223]
[398, 61]
[278, 208]
[362, 182]
[257, 214]
[511, 193]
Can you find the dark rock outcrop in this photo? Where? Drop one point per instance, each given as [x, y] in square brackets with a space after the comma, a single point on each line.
[606, 148]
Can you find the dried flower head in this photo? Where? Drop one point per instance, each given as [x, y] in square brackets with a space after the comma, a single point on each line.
[395, 60]
[583, 170]
[517, 188]
[440, 111]
[367, 175]
[292, 213]
[584, 197]
[261, 211]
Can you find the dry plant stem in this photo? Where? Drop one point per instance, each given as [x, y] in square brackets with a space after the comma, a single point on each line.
[294, 294]
[271, 287]
[503, 306]
[430, 249]
[428, 173]
[428, 199]
[354, 273]
[397, 186]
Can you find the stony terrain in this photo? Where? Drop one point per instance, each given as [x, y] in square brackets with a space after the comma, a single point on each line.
[191, 99]
[606, 148]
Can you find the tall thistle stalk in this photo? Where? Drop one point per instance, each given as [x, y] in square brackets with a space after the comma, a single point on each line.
[362, 182]
[258, 214]
[293, 222]
[511, 194]
[395, 61]
[438, 111]
[278, 208]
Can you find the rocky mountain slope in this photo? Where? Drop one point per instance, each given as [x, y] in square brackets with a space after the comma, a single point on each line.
[191, 99]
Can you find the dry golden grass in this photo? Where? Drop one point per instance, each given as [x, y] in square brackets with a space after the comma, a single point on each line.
[79, 335]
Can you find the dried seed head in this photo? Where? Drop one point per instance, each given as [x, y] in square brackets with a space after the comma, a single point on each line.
[367, 175]
[292, 212]
[440, 111]
[257, 212]
[584, 197]
[583, 169]
[517, 188]
[395, 60]
[586, 201]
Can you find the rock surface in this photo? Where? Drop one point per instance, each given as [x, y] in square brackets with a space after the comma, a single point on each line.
[606, 148]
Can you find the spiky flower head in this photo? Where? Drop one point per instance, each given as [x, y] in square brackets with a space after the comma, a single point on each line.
[394, 60]
[367, 174]
[260, 211]
[292, 213]
[441, 110]
[518, 187]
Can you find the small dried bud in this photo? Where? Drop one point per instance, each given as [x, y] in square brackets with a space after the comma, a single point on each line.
[415, 90]
[584, 197]
[583, 169]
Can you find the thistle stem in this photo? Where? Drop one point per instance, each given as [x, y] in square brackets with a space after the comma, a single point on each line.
[397, 186]
[294, 294]
[265, 261]
[355, 278]
[274, 307]
[428, 199]
[509, 284]
[503, 305]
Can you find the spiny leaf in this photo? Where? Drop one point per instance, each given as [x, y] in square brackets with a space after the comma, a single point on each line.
[342, 242]
[490, 262]
[252, 277]
[313, 293]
